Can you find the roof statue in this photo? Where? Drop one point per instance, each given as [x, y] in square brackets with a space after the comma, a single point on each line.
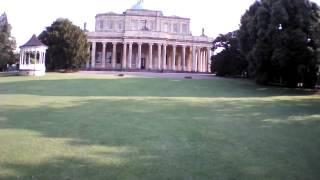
[203, 34]
[138, 5]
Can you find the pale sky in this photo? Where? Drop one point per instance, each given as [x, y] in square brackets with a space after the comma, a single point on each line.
[33, 16]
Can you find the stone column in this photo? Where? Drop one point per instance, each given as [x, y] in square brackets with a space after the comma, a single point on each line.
[88, 60]
[159, 56]
[204, 61]
[104, 55]
[164, 57]
[124, 56]
[130, 56]
[139, 55]
[209, 60]
[205, 66]
[183, 58]
[150, 56]
[174, 57]
[114, 55]
[199, 59]
[93, 55]
[194, 59]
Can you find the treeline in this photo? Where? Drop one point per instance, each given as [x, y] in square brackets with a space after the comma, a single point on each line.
[67, 45]
[7, 43]
[277, 43]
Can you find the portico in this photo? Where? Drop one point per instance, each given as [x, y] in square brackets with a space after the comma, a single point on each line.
[156, 56]
[142, 39]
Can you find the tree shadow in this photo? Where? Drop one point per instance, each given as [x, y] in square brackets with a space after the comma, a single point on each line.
[168, 139]
[146, 87]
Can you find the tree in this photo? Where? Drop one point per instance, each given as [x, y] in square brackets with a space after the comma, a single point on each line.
[229, 61]
[7, 43]
[67, 45]
[279, 41]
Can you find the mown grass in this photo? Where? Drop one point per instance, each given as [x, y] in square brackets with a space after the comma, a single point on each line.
[71, 126]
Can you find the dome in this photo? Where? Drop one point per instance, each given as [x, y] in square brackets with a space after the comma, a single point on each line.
[138, 5]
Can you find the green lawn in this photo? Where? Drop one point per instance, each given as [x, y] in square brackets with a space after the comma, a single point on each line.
[63, 127]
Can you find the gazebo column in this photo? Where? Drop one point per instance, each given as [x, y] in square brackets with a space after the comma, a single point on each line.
[29, 57]
[24, 57]
[43, 60]
[20, 61]
[40, 57]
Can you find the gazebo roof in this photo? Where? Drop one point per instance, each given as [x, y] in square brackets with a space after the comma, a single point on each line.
[34, 41]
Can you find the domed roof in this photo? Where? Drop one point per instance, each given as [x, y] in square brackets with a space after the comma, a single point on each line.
[138, 5]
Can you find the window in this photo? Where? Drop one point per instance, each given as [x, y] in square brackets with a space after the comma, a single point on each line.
[176, 28]
[101, 25]
[120, 26]
[169, 28]
[185, 28]
[142, 25]
[151, 25]
[165, 27]
[110, 25]
[134, 25]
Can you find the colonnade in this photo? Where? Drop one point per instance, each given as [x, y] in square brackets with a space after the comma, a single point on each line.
[186, 57]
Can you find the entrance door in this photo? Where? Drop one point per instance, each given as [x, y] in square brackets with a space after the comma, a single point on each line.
[143, 63]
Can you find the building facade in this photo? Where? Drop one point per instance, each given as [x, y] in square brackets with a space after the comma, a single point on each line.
[141, 39]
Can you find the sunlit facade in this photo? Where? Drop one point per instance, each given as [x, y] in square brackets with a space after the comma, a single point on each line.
[141, 39]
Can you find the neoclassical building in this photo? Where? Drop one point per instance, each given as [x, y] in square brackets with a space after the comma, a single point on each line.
[140, 39]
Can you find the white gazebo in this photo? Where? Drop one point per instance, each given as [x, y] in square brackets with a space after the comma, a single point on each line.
[32, 57]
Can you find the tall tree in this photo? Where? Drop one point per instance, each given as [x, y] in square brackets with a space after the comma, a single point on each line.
[228, 61]
[7, 43]
[67, 45]
[279, 40]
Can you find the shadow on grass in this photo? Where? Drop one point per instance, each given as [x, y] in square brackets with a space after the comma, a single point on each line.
[171, 140]
[146, 87]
